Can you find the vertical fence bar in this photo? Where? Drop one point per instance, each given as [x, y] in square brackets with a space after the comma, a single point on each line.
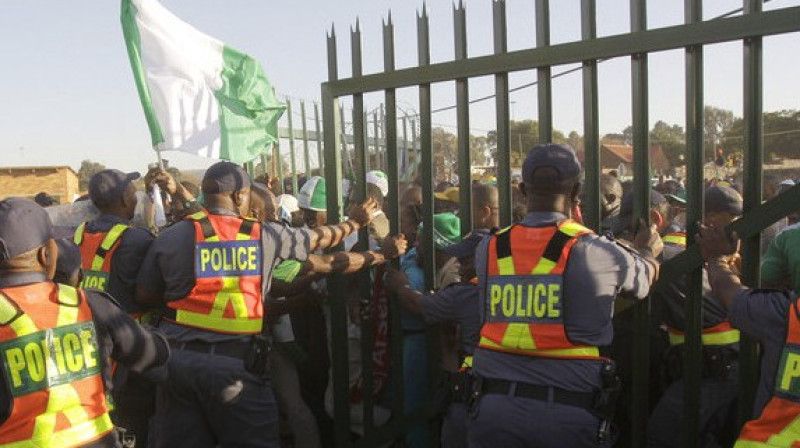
[423, 50]
[318, 130]
[333, 175]
[376, 128]
[417, 153]
[360, 177]
[278, 160]
[692, 370]
[641, 207]
[405, 144]
[544, 83]
[392, 204]
[503, 152]
[381, 164]
[264, 161]
[306, 154]
[343, 135]
[291, 145]
[462, 120]
[753, 166]
[591, 121]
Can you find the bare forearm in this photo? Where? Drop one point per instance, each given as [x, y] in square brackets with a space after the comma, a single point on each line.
[344, 262]
[725, 283]
[330, 236]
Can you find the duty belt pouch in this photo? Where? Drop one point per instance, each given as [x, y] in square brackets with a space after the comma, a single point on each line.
[443, 395]
[474, 397]
[717, 362]
[257, 355]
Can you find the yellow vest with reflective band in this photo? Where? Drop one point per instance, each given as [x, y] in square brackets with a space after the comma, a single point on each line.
[51, 364]
[96, 254]
[523, 302]
[678, 239]
[721, 334]
[226, 297]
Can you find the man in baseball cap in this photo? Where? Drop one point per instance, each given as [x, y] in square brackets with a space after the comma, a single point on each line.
[523, 370]
[183, 273]
[32, 310]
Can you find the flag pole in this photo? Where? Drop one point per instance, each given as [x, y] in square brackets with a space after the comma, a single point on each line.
[157, 147]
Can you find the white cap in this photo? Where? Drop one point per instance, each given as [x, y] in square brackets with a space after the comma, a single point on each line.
[287, 204]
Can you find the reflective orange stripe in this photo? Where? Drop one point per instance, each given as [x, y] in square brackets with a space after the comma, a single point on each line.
[533, 327]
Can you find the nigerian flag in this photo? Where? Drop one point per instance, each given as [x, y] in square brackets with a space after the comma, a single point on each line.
[199, 95]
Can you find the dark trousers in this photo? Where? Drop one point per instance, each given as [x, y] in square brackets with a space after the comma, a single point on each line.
[454, 426]
[718, 407]
[134, 404]
[211, 401]
[514, 422]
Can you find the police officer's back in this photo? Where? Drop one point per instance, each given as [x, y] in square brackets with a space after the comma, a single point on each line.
[547, 288]
[55, 342]
[209, 273]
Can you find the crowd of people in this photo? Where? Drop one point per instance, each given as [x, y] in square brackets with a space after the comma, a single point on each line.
[213, 329]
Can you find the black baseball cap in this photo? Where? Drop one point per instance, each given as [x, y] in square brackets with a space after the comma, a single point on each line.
[560, 157]
[107, 186]
[623, 220]
[225, 177]
[24, 226]
[467, 246]
[723, 199]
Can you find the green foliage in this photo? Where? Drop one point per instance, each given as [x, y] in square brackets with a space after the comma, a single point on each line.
[672, 140]
[523, 135]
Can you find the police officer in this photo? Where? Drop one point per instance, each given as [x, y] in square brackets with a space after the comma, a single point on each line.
[55, 342]
[456, 303]
[773, 318]
[209, 273]
[112, 252]
[547, 287]
[720, 379]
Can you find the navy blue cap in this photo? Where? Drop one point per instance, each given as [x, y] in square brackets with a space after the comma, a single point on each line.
[107, 186]
[560, 157]
[723, 199]
[467, 246]
[24, 226]
[225, 177]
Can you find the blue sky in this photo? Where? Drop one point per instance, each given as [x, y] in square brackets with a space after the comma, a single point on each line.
[68, 92]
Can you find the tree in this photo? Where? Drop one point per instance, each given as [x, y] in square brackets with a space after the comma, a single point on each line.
[523, 135]
[478, 147]
[717, 123]
[672, 140]
[86, 171]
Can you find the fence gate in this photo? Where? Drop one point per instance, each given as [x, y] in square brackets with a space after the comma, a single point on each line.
[747, 25]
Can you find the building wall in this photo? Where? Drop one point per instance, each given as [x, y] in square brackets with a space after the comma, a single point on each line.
[59, 182]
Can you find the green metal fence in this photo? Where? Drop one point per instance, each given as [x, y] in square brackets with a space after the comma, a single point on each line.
[749, 27]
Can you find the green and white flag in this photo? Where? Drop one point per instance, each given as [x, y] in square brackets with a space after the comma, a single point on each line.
[199, 95]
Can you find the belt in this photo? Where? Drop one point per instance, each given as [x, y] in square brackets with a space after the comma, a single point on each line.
[232, 349]
[583, 400]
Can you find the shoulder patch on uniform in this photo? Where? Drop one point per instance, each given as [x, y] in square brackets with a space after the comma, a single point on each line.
[627, 245]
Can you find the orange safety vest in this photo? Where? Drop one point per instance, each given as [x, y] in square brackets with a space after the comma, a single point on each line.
[226, 297]
[51, 365]
[779, 423]
[524, 292]
[97, 251]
